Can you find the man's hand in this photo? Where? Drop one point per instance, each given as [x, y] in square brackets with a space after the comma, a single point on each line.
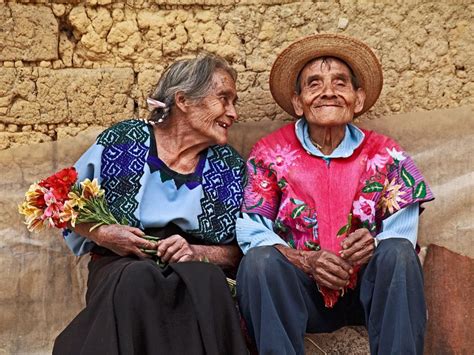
[122, 240]
[328, 269]
[358, 247]
[176, 249]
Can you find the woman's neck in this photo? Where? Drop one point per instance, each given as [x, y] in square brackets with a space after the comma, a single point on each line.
[178, 146]
[326, 139]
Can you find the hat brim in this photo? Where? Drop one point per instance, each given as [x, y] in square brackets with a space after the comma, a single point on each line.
[356, 54]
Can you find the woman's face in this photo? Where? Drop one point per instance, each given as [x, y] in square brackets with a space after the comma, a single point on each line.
[212, 116]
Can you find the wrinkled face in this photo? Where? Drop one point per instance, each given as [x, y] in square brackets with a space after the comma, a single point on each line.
[212, 116]
[327, 97]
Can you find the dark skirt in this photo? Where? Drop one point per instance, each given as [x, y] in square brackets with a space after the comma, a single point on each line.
[135, 307]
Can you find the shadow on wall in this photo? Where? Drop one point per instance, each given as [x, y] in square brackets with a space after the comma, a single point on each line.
[43, 284]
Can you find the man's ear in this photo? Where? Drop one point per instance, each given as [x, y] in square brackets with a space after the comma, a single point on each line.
[360, 100]
[181, 102]
[297, 106]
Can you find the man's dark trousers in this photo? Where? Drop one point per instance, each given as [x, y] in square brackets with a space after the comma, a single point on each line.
[280, 303]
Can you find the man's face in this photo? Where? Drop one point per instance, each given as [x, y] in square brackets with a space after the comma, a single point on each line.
[327, 97]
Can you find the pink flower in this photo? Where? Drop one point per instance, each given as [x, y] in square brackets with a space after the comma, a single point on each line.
[364, 209]
[378, 161]
[281, 158]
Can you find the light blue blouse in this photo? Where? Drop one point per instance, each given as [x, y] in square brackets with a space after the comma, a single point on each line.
[254, 230]
[204, 204]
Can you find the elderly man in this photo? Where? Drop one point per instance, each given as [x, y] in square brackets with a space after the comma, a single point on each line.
[330, 213]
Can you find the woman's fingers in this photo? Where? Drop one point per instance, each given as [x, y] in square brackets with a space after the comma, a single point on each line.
[170, 246]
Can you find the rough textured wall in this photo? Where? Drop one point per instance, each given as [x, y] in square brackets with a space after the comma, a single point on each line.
[65, 65]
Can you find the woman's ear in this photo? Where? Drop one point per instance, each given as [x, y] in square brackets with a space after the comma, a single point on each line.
[360, 100]
[181, 102]
[297, 106]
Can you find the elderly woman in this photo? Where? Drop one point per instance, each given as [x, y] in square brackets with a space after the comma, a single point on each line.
[331, 211]
[172, 176]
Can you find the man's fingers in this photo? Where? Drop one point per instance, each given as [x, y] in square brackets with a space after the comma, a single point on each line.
[356, 258]
[341, 263]
[354, 237]
[329, 280]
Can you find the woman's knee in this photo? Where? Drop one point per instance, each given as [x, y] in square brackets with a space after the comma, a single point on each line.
[139, 275]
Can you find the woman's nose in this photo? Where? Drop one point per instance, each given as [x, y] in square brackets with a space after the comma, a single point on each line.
[232, 112]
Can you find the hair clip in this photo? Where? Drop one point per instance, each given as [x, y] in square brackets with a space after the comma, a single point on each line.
[153, 104]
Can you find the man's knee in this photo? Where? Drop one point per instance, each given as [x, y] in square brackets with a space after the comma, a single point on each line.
[396, 254]
[260, 262]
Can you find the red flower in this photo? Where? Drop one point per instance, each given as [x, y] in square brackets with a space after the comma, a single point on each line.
[264, 186]
[60, 183]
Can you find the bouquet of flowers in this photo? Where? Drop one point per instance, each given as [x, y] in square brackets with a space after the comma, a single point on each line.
[60, 199]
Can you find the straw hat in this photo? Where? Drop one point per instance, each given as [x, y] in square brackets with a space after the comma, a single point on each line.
[356, 54]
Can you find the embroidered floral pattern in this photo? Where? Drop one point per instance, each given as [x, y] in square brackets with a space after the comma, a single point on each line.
[306, 197]
[364, 209]
[378, 161]
[391, 197]
[297, 222]
[281, 158]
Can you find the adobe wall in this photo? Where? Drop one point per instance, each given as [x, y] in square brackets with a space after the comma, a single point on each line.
[67, 65]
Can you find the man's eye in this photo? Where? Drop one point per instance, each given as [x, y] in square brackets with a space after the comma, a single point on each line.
[340, 83]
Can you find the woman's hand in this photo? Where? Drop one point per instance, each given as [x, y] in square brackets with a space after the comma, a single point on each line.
[175, 249]
[122, 240]
[358, 247]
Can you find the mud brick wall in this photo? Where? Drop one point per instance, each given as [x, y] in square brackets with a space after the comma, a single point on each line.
[68, 65]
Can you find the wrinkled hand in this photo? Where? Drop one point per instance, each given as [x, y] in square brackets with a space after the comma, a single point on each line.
[329, 270]
[176, 249]
[358, 247]
[123, 240]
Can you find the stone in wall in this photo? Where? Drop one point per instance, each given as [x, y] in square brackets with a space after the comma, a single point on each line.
[27, 32]
[47, 96]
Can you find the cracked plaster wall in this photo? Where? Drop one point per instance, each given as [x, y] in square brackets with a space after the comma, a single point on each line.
[67, 65]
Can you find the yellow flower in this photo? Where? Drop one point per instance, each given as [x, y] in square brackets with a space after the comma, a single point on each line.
[69, 214]
[91, 189]
[391, 196]
[76, 200]
[32, 215]
[35, 195]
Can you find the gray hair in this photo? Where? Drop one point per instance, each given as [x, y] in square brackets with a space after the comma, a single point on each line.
[325, 60]
[192, 77]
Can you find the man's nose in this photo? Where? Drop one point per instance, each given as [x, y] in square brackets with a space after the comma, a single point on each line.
[328, 90]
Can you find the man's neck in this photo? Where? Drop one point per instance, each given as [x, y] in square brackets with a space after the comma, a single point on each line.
[326, 139]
